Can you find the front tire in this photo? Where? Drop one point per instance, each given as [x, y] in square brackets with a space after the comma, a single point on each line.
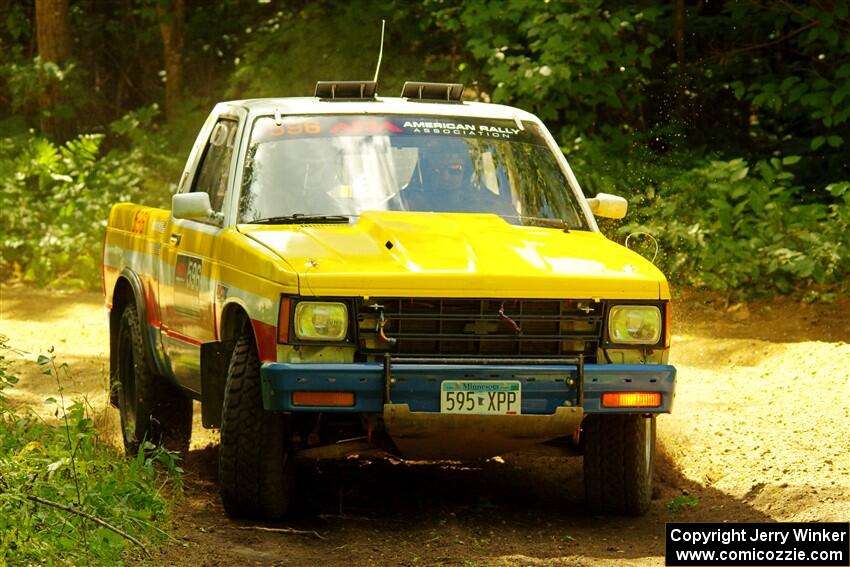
[619, 456]
[256, 466]
[151, 408]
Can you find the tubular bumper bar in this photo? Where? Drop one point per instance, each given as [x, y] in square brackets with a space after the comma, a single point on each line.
[416, 384]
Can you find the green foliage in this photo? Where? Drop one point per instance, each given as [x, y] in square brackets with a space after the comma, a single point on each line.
[6, 379]
[70, 465]
[682, 502]
[285, 53]
[55, 199]
[806, 77]
[725, 225]
[609, 68]
[27, 80]
[594, 61]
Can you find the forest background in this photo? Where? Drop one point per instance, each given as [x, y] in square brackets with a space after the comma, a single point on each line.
[725, 123]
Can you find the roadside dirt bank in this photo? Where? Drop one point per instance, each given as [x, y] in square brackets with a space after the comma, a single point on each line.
[760, 432]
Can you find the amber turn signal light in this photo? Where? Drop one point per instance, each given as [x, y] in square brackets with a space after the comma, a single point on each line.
[342, 399]
[631, 399]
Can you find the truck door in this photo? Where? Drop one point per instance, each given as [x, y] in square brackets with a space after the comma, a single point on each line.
[188, 258]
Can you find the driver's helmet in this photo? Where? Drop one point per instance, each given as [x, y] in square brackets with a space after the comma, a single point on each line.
[446, 167]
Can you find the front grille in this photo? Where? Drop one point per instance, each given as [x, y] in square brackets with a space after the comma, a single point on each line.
[474, 327]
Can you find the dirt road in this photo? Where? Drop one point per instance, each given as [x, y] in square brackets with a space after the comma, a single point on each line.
[759, 432]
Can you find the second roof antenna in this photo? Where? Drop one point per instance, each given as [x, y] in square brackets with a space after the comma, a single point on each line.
[381, 52]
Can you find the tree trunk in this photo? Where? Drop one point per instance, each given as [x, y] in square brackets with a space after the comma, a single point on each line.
[171, 24]
[681, 98]
[53, 36]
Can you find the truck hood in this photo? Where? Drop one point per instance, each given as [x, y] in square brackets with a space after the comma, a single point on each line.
[406, 254]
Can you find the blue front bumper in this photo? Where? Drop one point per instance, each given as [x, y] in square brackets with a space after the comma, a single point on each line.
[544, 387]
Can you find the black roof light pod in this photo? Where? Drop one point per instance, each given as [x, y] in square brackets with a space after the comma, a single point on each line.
[346, 90]
[451, 92]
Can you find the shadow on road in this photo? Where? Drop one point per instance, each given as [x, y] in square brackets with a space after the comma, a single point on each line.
[395, 513]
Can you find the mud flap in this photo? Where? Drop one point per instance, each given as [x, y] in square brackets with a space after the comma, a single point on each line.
[215, 359]
[427, 435]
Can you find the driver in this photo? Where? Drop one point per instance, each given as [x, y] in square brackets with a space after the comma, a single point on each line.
[442, 179]
[449, 174]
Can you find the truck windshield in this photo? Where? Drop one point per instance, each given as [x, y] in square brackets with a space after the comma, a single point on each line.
[345, 165]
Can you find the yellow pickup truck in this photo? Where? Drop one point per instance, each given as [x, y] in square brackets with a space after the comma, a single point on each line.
[417, 276]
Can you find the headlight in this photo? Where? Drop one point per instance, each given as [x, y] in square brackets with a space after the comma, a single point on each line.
[634, 324]
[321, 321]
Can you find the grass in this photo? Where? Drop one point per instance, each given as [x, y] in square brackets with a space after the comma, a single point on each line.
[681, 502]
[66, 496]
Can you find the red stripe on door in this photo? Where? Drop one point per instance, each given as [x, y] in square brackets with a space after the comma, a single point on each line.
[181, 337]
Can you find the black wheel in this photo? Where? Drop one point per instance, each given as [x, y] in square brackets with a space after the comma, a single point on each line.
[256, 466]
[619, 451]
[152, 409]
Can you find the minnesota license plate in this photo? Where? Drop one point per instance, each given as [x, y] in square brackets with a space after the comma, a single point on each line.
[481, 397]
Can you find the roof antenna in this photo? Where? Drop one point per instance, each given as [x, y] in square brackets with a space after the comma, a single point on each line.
[381, 52]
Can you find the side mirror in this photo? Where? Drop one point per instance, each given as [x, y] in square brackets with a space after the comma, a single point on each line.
[608, 206]
[194, 206]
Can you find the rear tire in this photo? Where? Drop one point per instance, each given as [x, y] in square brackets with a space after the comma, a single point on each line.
[151, 408]
[256, 465]
[619, 456]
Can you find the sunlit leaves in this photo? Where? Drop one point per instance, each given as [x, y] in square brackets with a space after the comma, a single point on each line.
[562, 58]
[744, 228]
[54, 201]
[73, 467]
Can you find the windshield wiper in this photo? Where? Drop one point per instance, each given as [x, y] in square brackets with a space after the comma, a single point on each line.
[540, 221]
[301, 218]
